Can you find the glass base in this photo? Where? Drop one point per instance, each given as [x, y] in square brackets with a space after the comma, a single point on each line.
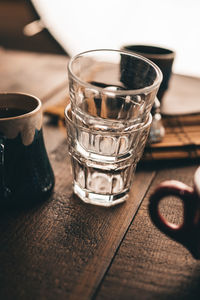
[100, 199]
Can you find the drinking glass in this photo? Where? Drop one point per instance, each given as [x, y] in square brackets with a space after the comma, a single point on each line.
[108, 121]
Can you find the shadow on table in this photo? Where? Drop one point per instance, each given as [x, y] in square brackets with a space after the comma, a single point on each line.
[156, 165]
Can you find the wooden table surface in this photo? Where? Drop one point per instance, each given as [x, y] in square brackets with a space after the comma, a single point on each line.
[66, 249]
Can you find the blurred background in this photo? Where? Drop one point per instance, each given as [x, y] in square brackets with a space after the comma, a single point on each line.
[14, 16]
[72, 26]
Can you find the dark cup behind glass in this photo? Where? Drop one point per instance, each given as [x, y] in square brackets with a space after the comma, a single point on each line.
[162, 57]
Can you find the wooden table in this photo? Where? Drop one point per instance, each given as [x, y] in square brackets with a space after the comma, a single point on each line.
[65, 249]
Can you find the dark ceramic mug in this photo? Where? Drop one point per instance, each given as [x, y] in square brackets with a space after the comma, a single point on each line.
[26, 175]
[162, 57]
[187, 233]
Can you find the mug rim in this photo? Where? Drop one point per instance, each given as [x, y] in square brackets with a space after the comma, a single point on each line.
[146, 89]
[27, 114]
[170, 53]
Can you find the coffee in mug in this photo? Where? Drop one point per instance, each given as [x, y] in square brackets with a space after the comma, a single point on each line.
[26, 175]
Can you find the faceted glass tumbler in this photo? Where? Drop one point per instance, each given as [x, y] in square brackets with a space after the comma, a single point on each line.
[103, 162]
[108, 121]
[116, 86]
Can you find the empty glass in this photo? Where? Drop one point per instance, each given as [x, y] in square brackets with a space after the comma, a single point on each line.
[108, 120]
[103, 162]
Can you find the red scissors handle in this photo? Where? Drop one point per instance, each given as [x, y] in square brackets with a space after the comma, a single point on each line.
[181, 232]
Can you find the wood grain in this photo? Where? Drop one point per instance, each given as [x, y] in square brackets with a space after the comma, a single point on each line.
[61, 248]
[148, 264]
[65, 249]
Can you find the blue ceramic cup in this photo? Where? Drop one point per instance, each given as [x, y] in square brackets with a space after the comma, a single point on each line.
[26, 175]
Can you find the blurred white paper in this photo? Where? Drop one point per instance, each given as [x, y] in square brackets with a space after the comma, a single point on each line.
[80, 25]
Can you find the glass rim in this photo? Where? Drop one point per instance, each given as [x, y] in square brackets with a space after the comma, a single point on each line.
[144, 90]
[133, 128]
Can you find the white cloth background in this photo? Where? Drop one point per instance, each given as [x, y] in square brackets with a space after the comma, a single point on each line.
[80, 25]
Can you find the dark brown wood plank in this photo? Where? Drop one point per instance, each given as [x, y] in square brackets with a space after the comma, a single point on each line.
[148, 264]
[62, 248]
